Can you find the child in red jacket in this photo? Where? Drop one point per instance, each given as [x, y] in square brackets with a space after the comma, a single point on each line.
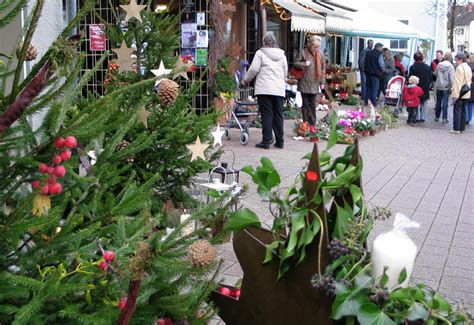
[411, 98]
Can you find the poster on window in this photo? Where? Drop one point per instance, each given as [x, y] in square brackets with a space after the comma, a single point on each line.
[201, 18]
[97, 39]
[189, 57]
[188, 35]
[202, 39]
[201, 57]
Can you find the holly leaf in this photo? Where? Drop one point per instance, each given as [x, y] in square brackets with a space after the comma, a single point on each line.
[371, 314]
[418, 311]
[242, 219]
[403, 276]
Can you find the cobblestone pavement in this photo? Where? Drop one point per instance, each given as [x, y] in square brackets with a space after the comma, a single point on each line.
[423, 171]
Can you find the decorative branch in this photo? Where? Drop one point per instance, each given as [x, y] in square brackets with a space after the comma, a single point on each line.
[127, 311]
[25, 98]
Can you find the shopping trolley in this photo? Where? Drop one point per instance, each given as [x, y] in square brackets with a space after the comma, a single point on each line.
[243, 114]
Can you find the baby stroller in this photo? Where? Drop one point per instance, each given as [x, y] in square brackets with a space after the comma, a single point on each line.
[393, 94]
[243, 114]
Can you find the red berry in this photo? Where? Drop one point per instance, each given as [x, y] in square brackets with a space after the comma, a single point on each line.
[35, 184]
[225, 291]
[70, 142]
[50, 170]
[103, 265]
[57, 159]
[43, 168]
[55, 188]
[109, 256]
[59, 171]
[45, 190]
[122, 303]
[59, 143]
[52, 179]
[65, 155]
[161, 321]
[236, 293]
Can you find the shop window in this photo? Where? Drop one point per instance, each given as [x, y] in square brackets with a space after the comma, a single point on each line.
[459, 31]
[234, 10]
[277, 27]
[399, 44]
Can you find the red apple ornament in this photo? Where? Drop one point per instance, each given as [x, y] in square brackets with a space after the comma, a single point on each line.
[35, 184]
[57, 159]
[225, 291]
[235, 293]
[109, 256]
[59, 171]
[65, 155]
[122, 303]
[43, 168]
[103, 265]
[55, 188]
[59, 143]
[45, 190]
[70, 142]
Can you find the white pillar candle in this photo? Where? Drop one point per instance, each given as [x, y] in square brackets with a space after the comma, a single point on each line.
[395, 250]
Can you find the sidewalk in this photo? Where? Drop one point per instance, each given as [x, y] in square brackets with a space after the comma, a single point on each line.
[423, 171]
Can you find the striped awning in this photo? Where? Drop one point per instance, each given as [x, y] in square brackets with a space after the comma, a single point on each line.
[336, 19]
[302, 19]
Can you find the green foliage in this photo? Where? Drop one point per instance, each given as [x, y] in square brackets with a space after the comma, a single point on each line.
[49, 270]
[224, 80]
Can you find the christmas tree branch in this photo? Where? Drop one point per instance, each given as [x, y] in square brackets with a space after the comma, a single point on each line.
[20, 104]
[26, 42]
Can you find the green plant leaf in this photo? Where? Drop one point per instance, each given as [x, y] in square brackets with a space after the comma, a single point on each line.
[333, 135]
[371, 314]
[418, 311]
[384, 278]
[269, 251]
[402, 295]
[342, 219]
[349, 300]
[403, 276]
[440, 303]
[355, 192]
[297, 223]
[242, 219]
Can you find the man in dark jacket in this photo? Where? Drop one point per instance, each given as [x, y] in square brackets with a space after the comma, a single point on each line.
[423, 72]
[373, 67]
[363, 77]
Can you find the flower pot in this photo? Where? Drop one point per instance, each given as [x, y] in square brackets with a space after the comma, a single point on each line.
[372, 132]
[313, 139]
[365, 133]
[359, 134]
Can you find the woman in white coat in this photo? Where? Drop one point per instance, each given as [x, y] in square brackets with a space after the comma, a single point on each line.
[270, 67]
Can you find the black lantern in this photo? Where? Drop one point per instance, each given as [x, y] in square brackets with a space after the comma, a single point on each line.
[226, 174]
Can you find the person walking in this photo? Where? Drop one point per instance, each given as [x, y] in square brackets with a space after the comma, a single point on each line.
[373, 67]
[312, 60]
[388, 70]
[270, 68]
[411, 99]
[423, 72]
[470, 102]
[439, 58]
[363, 76]
[462, 76]
[444, 74]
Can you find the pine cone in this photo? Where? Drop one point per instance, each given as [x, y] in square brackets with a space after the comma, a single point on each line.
[31, 52]
[122, 145]
[168, 91]
[201, 253]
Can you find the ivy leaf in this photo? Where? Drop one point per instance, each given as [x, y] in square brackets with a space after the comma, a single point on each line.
[403, 276]
[297, 223]
[333, 136]
[349, 300]
[269, 251]
[384, 279]
[402, 295]
[440, 303]
[242, 219]
[371, 314]
[342, 218]
[418, 311]
[355, 192]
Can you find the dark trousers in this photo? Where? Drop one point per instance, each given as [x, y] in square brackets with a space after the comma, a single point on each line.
[271, 109]
[363, 86]
[373, 88]
[309, 108]
[412, 111]
[442, 97]
[459, 115]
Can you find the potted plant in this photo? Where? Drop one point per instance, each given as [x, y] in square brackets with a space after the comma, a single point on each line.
[371, 126]
[313, 135]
